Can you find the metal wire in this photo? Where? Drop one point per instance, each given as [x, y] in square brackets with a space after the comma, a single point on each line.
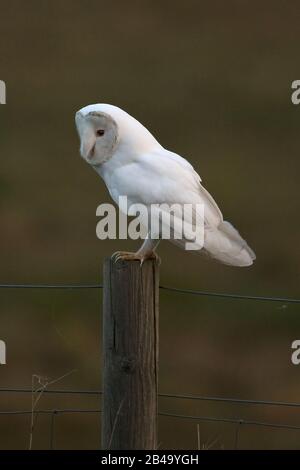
[230, 420]
[231, 296]
[237, 421]
[240, 401]
[51, 286]
[75, 392]
[52, 429]
[160, 413]
[167, 414]
[56, 411]
[167, 288]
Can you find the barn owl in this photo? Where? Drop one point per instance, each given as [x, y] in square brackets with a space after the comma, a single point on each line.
[132, 163]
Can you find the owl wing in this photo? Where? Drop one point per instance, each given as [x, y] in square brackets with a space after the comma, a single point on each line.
[164, 177]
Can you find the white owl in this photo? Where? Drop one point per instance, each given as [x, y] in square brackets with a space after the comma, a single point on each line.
[132, 163]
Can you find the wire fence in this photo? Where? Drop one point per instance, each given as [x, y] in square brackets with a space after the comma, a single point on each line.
[238, 421]
[167, 288]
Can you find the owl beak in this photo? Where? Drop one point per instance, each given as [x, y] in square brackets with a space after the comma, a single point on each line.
[87, 138]
[88, 143]
[87, 150]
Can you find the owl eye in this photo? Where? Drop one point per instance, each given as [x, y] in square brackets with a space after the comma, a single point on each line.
[100, 132]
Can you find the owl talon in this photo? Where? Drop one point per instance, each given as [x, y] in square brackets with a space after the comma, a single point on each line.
[123, 255]
[126, 255]
[120, 255]
[152, 255]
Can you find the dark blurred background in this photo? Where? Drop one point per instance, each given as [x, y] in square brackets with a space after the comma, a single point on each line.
[212, 81]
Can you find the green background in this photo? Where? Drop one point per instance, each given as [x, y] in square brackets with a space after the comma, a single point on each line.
[212, 81]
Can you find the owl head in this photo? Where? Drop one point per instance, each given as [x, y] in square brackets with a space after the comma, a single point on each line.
[103, 129]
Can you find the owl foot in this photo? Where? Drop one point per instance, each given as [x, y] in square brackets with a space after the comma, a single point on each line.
[141, 257]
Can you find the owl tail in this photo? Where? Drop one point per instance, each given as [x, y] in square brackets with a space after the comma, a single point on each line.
[224, 244]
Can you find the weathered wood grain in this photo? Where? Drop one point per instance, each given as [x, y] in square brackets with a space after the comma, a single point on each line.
[130, 329]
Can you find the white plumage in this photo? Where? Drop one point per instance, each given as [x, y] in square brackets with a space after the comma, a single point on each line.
[132, 163]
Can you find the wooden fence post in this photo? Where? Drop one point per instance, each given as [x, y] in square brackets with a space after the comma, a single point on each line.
[130, 353]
